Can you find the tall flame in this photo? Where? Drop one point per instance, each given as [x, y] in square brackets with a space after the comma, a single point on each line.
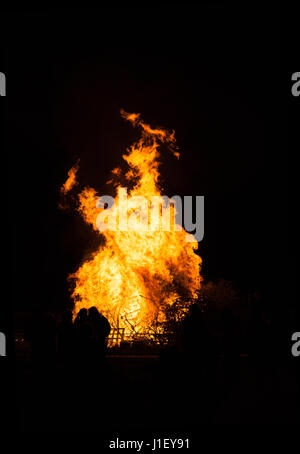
[138, 272]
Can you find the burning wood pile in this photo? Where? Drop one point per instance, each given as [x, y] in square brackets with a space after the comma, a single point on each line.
[148, 261]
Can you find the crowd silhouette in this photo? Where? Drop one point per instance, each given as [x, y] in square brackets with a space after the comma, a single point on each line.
[84, 340]
[201, 378]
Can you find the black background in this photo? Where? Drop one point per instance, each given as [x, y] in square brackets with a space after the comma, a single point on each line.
[212, 73]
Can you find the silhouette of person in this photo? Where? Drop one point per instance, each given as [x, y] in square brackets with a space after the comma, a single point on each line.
[195, 336]
[41, 333]
[230, 346]
[101, 328]
[66, 337]
[81, 317]
[83, 336]
[199, 360]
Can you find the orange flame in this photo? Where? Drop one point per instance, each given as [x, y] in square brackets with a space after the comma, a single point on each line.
[71, 181]
[136, 273]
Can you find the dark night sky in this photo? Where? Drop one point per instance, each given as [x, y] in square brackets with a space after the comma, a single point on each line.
[210, 73]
